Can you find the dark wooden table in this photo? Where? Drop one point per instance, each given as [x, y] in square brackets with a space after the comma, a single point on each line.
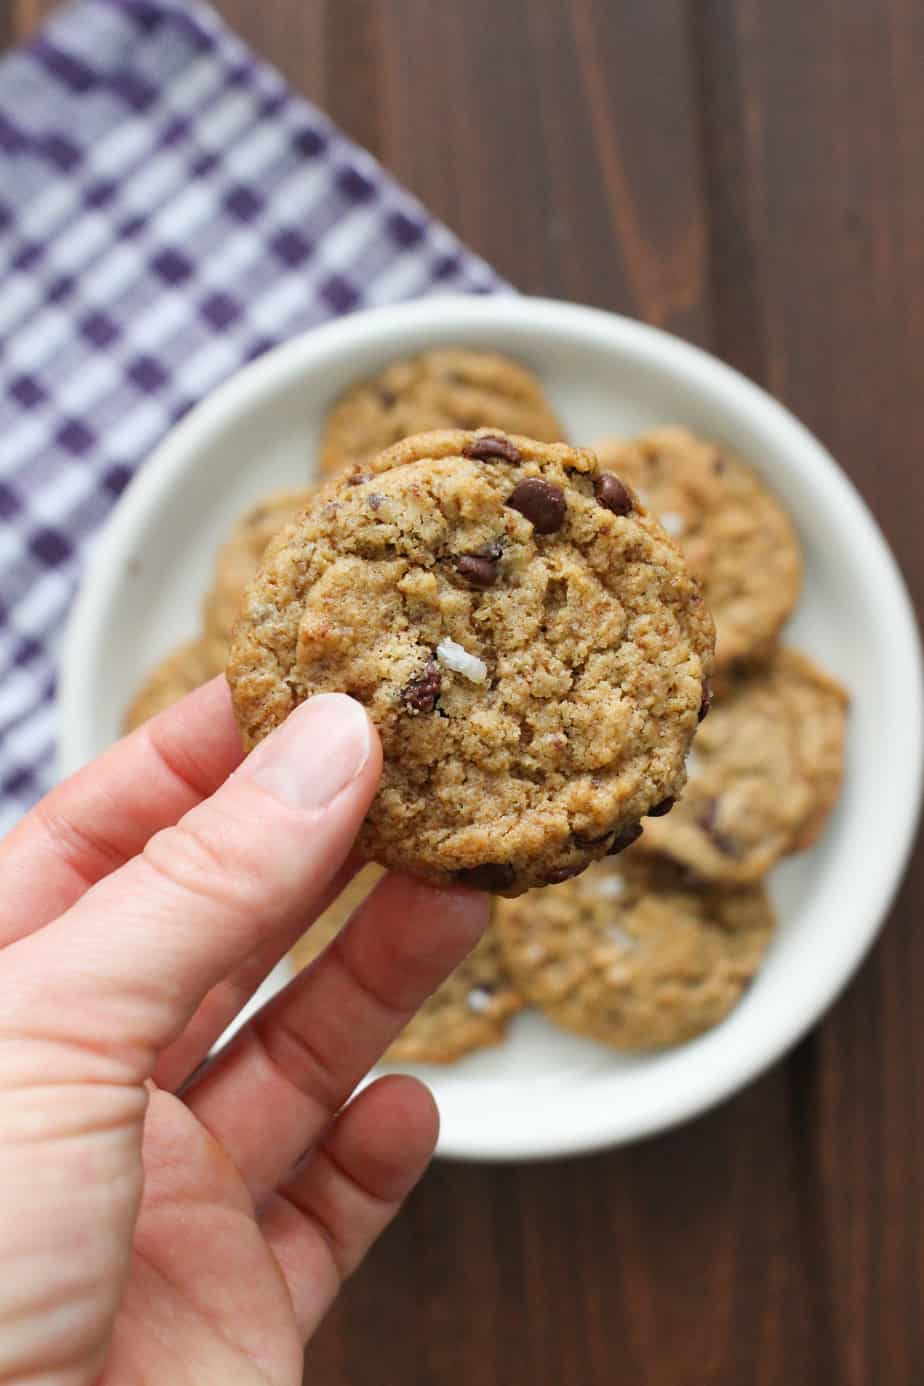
[751, 176]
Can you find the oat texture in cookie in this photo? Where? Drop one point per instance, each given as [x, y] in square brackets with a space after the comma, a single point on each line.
[632, 954]
[178, 674]
[527, 640]
[764, 772]
[733, 532]
[450, 387]
[238, 560]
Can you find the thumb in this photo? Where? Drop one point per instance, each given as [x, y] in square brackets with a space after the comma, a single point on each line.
[120, 973]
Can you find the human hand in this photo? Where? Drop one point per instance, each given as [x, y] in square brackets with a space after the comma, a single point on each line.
[149, 1237]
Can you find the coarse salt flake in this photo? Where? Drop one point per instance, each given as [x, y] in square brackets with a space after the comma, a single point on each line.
[458, 659]
[673, 522]
[479, 1000]
[611, 887]
[623, 940]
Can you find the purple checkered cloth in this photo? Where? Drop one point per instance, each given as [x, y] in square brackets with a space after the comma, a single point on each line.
[169, 209]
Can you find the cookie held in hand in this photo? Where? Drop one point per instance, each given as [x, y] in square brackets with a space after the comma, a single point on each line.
[526, 638]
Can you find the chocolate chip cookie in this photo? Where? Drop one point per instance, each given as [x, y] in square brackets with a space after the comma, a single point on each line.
[472, 1008]
[631, 954]
[526, 638]
[734, 534]
[178, 674]
[448, 388]
[764, 772]
[238, 560]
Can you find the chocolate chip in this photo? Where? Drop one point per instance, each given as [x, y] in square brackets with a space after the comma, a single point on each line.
[706, 703]
[582, 841]
[477, 569]
[421, 693]
[357, 478]
[376, 500]
[683, 875]
[660, 809]
[389, 398]
[564, 873]
[541, 502]
[612, 494]
[708, 820]
[625, 839]
[718, 465]
[492, 875]
[484, 448]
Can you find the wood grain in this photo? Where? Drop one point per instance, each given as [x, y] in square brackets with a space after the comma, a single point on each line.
[748, 175]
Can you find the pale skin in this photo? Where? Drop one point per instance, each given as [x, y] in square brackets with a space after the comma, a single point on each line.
[158, 1230]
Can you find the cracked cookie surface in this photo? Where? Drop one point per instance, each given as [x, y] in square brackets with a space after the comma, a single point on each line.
[733, 532]
[527, 640]
[453, 387]
[630, 954]
[764, 772]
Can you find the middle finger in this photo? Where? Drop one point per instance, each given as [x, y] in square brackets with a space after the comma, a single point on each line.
[269, 1096]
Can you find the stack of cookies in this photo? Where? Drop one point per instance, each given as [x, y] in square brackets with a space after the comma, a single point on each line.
[520, 620]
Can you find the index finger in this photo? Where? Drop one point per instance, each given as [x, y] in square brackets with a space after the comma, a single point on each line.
[102, 816]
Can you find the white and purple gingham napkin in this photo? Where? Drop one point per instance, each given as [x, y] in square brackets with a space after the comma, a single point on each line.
[169, 209]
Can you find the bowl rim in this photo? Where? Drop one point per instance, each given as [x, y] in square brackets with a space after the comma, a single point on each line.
[570, 1129]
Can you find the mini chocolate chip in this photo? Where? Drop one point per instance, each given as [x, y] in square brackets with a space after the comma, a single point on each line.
[612, 494]
[376, 500]
[582, 841]
[420, 693]
[685, 876]
[660, 809]
[708, 820]
[357, 478]
[706, 703]
[388, 398]
[483, 449]
[564, 873]
[477, 569]
[625, 839]
[492, 875]
[541, 502]
[718, 465]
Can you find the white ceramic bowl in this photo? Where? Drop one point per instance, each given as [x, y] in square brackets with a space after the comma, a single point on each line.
[544, 1092]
